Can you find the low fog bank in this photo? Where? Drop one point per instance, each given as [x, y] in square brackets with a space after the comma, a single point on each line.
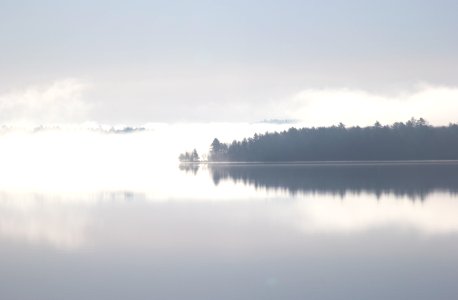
[101, 157]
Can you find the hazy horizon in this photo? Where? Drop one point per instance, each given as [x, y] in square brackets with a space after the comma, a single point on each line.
[104, 105]
[231, 61]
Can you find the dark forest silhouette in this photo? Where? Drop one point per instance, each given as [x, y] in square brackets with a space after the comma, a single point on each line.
[412, 140]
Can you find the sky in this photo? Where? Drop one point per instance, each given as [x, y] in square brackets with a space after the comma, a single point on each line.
[320, 62]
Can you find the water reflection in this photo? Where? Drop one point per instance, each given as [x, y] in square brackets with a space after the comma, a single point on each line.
[189, 167]
[414, 180]
[311, 199]
[294, 237]
[61, 221]
[362, 213]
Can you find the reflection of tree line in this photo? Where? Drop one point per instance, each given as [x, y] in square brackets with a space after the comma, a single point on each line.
[189, 167]
[412, 180]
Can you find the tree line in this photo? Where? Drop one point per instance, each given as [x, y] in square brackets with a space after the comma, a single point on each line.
[411, 140]
[192, 156]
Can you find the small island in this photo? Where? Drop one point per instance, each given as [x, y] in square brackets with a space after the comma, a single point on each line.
[192, 156]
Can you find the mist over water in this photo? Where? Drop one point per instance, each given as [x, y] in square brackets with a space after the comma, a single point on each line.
[95, 157]
[112, 210]
[130, 168]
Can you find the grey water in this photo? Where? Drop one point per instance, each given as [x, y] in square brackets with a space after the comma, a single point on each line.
[240, 231]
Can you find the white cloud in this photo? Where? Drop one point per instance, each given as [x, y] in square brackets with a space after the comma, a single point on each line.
[58, 102]
[65, 101]
[437, 104]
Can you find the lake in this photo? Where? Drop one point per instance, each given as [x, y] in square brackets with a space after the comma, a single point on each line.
[239, 231]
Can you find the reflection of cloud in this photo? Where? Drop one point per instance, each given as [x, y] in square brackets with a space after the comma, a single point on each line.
[61, 220]
[328, 214]
[70, 222]
[43, 220]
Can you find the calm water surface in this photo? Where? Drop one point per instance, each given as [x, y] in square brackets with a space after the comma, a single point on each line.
[238, 231]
